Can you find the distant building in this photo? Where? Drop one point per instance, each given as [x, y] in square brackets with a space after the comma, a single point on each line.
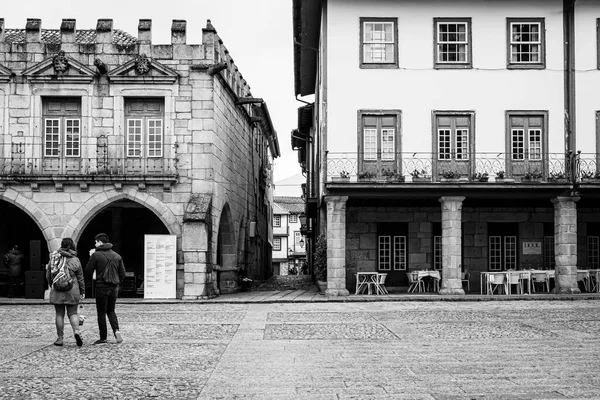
[102, 131]
[289, 245]
[460, 136]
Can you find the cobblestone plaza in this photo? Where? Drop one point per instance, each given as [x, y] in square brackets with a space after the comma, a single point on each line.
[418, 349]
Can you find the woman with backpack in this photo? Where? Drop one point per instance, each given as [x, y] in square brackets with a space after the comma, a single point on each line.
[65, 275]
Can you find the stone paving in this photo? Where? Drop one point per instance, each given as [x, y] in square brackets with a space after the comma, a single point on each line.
[444, 350]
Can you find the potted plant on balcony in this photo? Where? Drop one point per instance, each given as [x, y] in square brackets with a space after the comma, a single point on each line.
[391, 175]
[450, 176]
[557, 177]
[532, 177]
[480, 177]
[320, 263]
[590, 176]
[501, 177]
[344, 177]
[366, 175]
[420, 176]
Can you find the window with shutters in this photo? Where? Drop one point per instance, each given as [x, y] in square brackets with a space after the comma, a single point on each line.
[452, 41]
[454, 140]
[378, 43]
[379, 140]
[144, 127]
[527, 141]
[62, 127]
[526, 43]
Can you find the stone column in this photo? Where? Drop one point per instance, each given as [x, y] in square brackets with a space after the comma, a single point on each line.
[451, 244]
[565, 244]
[336, 245]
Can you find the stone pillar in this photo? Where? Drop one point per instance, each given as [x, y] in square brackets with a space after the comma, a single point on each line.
[336, 245]
[565, 244]
[451, 244]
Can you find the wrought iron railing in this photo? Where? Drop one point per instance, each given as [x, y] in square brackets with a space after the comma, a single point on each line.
[19, 161]
[551, 167]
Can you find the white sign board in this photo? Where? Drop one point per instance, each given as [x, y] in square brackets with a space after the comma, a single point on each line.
[532, 247]
[160, 265]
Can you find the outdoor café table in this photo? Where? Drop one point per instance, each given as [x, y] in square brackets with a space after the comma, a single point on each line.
[366, 280]
[432, 273]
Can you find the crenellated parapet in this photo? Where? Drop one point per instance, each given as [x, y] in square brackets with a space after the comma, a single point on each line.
[106, 48]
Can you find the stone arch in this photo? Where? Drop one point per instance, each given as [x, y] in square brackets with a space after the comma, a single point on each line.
[33, 210]
[95, 204]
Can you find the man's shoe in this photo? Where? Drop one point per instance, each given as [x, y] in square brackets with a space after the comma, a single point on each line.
[118, 337]
[58, 342]
[78, 339]
[101, 341]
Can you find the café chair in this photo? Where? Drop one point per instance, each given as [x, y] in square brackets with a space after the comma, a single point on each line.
[584, 278]
[381, 289]
[497, 281]
[542, 279]
[414, 282]
[514, 279]
[465, 279]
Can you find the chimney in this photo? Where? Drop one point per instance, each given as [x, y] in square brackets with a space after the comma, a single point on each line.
[67, 31]
[104, 31]
[178, 31]
[33, 30]
[145, 31]
[1, 30]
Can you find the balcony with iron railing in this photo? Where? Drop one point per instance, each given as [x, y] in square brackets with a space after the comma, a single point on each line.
[24, 162]
[479, 167]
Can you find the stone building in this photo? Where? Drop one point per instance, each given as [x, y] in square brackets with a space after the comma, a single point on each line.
[102, 131]
[453, 136]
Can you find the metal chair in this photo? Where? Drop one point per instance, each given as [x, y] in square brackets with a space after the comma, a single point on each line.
[465, 279]
[381, 289]
[496, 281]
[415, 282]
[514, 278]
[540, 278]
[584, 278]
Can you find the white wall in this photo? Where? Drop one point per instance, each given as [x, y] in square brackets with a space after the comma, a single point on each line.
[587, 76]
[416, 88]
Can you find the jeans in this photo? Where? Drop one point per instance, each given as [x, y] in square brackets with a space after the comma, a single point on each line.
[106, 299]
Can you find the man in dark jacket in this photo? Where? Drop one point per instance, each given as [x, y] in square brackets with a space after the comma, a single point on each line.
[101, 259]
[13, 260]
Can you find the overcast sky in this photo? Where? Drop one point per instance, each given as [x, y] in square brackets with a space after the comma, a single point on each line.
[257, 33]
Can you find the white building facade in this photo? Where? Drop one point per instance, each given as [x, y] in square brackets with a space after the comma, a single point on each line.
[417, 103]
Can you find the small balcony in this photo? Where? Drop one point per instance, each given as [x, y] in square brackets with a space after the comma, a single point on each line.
[409, 168]
[27, 163]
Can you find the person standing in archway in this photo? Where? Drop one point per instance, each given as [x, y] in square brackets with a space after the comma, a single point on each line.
[13, 260]
[110, 273]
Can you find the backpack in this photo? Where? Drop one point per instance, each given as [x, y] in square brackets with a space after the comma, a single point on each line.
[111, 272]
[63, 282]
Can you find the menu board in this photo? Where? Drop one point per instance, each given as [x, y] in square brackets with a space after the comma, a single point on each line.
[160, 265]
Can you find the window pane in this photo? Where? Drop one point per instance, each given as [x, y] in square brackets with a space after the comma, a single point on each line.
[462, 144]
[510, 252]
[593, 252]
[517, 144]
[535, 144]
[72, 138]
[437, 252]
[399, 253]
[51, 137]
[276, 244]
[548, 249]
[370, 143]
[378, 42]
[387, 144]
[134, 137]
[525, 42]
[155, 138]
[452, 42]
[385, 256]
[444, 144]
[495, 248]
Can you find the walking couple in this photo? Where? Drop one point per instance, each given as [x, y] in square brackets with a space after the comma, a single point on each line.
[66, 275]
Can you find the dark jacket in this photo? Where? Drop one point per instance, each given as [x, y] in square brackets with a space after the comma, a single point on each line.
[74, 266]
[100, 259]
[13, 260]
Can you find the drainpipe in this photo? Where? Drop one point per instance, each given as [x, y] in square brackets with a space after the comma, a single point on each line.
[569, 81]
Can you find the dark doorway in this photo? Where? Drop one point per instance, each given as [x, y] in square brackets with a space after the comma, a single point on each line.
[18, 228]
[125, 222]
